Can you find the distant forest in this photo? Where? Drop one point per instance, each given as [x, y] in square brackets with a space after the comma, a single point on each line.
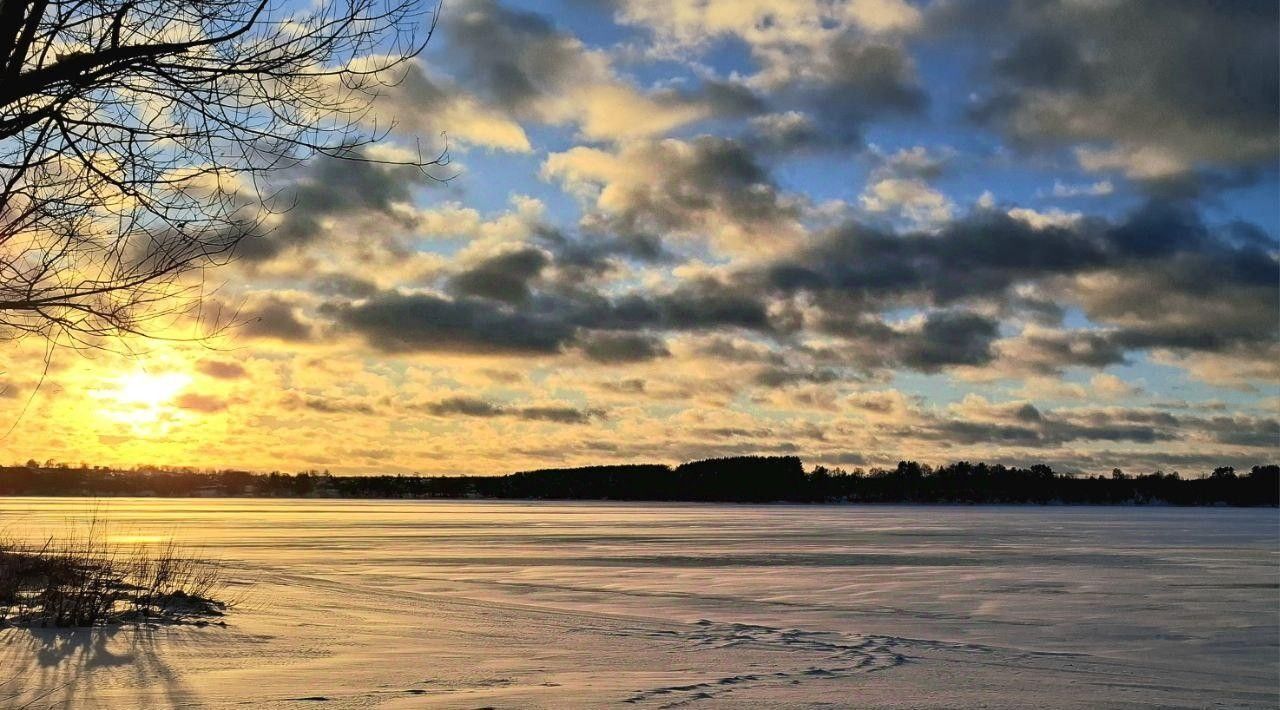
[744, 479]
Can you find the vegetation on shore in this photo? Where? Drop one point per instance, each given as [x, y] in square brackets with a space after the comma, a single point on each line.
[738, 479]
[86, 580]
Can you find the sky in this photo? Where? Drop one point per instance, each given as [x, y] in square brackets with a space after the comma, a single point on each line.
[854, 231]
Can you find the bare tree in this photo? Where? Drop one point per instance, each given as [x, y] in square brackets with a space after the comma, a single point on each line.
[134, 133]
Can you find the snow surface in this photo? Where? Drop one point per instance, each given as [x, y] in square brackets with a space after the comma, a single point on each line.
[470, 604]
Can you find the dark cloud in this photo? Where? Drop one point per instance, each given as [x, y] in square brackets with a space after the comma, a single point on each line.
[430, 107]
[394, 322]
[825, 94]
[274, 317]
[328, 187]
[516, 59]
[1023, 425]
[1140, 280]
[505, 277]
[846, 459]
[730, 98]
[615, 348]
[733, 351]
[464, 406]
[546, 324]
[1160, 278]
[631, 386]
[345, 285]
[326, 405]
[949, 338]
[473, 407]
[981, 254]
[203, 403]
[221, 370]
[1178, 284]
[1243, 431]
[594, 254]
[1026, 426]
[1048, 352]
[854, 82]
[1168, 86]
[559, 415]
[510, 56]
[696, 186]
[697, 305]
[707, 303]
[782, 376]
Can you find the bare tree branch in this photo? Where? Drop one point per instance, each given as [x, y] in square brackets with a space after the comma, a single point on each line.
[133, 135]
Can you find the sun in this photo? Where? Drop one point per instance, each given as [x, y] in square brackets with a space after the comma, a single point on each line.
[141, 400]
[146, 389]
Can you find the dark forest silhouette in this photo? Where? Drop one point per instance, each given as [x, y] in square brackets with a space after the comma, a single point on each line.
[745, 479]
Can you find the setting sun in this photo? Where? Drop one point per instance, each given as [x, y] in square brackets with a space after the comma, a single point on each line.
[141, 399]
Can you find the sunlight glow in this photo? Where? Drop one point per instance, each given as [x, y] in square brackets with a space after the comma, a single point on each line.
[142, 400]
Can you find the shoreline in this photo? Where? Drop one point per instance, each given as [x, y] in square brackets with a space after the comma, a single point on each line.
[660, 503]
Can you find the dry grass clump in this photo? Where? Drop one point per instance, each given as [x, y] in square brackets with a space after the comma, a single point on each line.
[85, 580]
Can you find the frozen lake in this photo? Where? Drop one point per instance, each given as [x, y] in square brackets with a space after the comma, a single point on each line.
[390, 604]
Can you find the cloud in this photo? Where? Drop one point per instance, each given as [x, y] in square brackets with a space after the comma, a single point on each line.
[1108, 386]
[1047, 351]
[785, 377]
[326, 405]
[426, 105]
[909, 199]
[472, 407]
[898, 187]
[1179, 284]
[396, 323]
[559, 415]
[960, 281]
[947, 338]
[543, 323]
[222, 370]
[783, 132]
[1152, 89]
[916, 162]
[613, 348]
[1023, 424]
[272, 316]
[840, 64]
[203, 403]
[1039, 219]
[520, 61]
[1241, 430]
[312, 200]
[702, 188]
[763, 23]
[503, 277]
[981, 254]
[464, 406]
[347, 285]
[1241, 367]
[883, 405]
[1100, 188]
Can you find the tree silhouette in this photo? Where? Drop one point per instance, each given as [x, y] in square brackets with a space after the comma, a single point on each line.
[741, 479]
[133, 135]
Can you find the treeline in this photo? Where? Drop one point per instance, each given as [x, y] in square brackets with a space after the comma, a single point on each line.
[758, 479]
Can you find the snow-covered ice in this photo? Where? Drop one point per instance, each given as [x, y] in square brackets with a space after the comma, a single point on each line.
[468, 604]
